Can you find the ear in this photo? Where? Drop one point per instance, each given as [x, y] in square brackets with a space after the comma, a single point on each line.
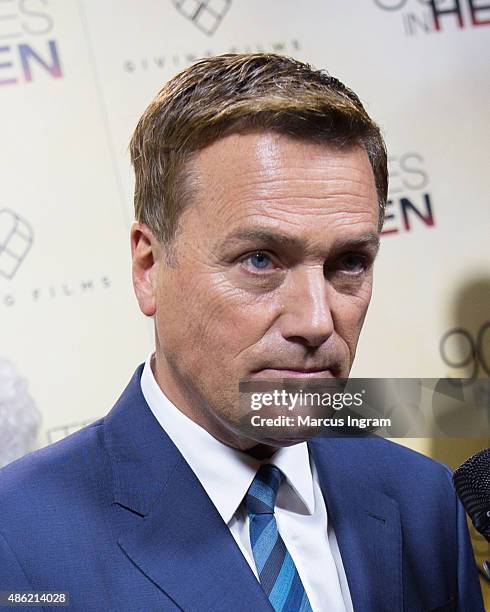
[146, 252]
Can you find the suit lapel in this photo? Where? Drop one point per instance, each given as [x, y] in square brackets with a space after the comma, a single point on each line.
[185, 548]
[366, 523]
[182, 544]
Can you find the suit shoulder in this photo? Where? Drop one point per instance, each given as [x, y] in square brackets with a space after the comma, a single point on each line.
[387, 449]
[416, 482]
[386, 458]
[72, 462]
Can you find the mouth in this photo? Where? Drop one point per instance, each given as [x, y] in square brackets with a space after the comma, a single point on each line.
[274, 373]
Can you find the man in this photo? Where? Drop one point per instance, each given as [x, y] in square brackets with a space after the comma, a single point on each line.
[260, 191]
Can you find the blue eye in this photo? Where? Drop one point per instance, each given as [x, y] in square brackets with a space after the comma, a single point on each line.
[259, 260]
[353, 262]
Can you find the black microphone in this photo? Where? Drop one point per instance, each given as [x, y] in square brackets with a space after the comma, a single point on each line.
[472, 483]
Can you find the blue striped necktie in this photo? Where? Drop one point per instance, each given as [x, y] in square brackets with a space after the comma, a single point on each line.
[277, 573]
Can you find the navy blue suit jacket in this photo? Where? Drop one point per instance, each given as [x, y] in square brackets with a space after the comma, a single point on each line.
[114, 515]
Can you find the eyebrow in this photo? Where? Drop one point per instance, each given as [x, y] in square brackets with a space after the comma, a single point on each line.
[278, 239]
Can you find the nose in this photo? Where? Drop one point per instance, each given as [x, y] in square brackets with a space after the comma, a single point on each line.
[307, 315]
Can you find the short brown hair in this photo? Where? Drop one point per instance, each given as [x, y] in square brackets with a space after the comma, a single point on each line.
[236, 93]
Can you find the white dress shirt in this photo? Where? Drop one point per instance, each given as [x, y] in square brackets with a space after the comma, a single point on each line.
[226, 474]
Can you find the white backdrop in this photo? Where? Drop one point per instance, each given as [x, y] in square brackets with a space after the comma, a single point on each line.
[75, 75]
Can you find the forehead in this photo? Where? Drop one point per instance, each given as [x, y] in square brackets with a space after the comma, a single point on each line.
[257, 178]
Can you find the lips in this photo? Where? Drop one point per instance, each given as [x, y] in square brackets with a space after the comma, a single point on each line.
[273, 373]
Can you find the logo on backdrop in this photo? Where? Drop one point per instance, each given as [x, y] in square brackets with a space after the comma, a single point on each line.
[409, 203]
[205, 15]
[65, 290]
[16, 238]
[428, 16]
[463, 351]
[466, 354]
[28, 49]
[178, 61]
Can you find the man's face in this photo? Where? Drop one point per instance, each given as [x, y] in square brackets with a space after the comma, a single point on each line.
[273, 272]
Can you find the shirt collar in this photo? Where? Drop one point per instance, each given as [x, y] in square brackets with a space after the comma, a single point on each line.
[224, 472]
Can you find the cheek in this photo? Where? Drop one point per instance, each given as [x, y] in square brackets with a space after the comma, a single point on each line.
[349, 312]
[217, 318]
[234, 319]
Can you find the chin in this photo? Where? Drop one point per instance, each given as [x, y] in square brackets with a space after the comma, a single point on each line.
[277, 435]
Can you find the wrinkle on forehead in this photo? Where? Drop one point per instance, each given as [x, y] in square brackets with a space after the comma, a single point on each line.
[281, 177]
[272, 161]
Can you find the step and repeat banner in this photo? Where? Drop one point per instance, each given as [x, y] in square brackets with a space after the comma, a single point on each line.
[75, 76]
